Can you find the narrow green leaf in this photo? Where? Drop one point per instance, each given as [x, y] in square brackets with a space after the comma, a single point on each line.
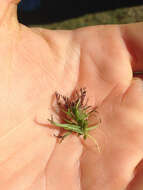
[91, 128]
[74, 128]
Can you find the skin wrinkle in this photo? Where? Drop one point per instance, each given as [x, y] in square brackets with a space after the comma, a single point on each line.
[74, 160]
[40, 64]
[74, 52]
[129, 55]
[14, 153]
[124, 95]
[102, 78]
[126, 92]
[117, 28]
[45, 180]
[35, 180]
[54, 48]
[80, 171]
[123, 42]
[12, 59]
[98, 73]
[52, 41]
[19, 171]
[25, 146]
[51, 45]
[30, 163]
[78, 68]
[12, 130]
[46, 165]
[132, 59]
[79, 166]
[48, 162]
[80, 65]
[13, 45]
[15, 128]
[27, 165]
[46, 38]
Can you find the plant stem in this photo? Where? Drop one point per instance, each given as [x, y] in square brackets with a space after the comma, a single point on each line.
[92, 138]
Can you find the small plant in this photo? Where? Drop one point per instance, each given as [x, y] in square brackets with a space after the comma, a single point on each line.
[75, 114]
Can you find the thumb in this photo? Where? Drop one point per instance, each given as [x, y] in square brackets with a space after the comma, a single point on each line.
[8, 11]
[10, 1]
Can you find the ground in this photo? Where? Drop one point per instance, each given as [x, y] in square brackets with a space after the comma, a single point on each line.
[117, 16]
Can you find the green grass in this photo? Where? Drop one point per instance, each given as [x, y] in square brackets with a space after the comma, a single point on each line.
[118, 16]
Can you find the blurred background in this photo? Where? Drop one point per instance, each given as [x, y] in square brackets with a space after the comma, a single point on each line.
[70, 14]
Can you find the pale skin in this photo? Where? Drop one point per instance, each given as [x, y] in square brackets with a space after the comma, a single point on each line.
[36, 62]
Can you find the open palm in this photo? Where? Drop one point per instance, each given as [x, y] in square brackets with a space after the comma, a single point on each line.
[35, 63]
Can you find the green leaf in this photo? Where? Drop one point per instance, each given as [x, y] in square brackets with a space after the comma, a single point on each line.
[70, 127]
[91, 128]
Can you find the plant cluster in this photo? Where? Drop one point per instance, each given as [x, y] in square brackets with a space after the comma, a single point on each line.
[75, 115]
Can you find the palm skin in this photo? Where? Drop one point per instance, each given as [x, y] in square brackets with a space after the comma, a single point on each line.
[37, 62]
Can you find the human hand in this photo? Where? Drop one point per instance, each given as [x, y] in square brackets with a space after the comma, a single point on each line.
[34, 64]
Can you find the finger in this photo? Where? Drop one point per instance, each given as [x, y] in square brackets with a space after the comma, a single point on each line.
[11, 1]
[8, 11]
[133, 38]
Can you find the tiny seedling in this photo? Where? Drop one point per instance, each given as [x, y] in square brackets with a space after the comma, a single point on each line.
[75, 115]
